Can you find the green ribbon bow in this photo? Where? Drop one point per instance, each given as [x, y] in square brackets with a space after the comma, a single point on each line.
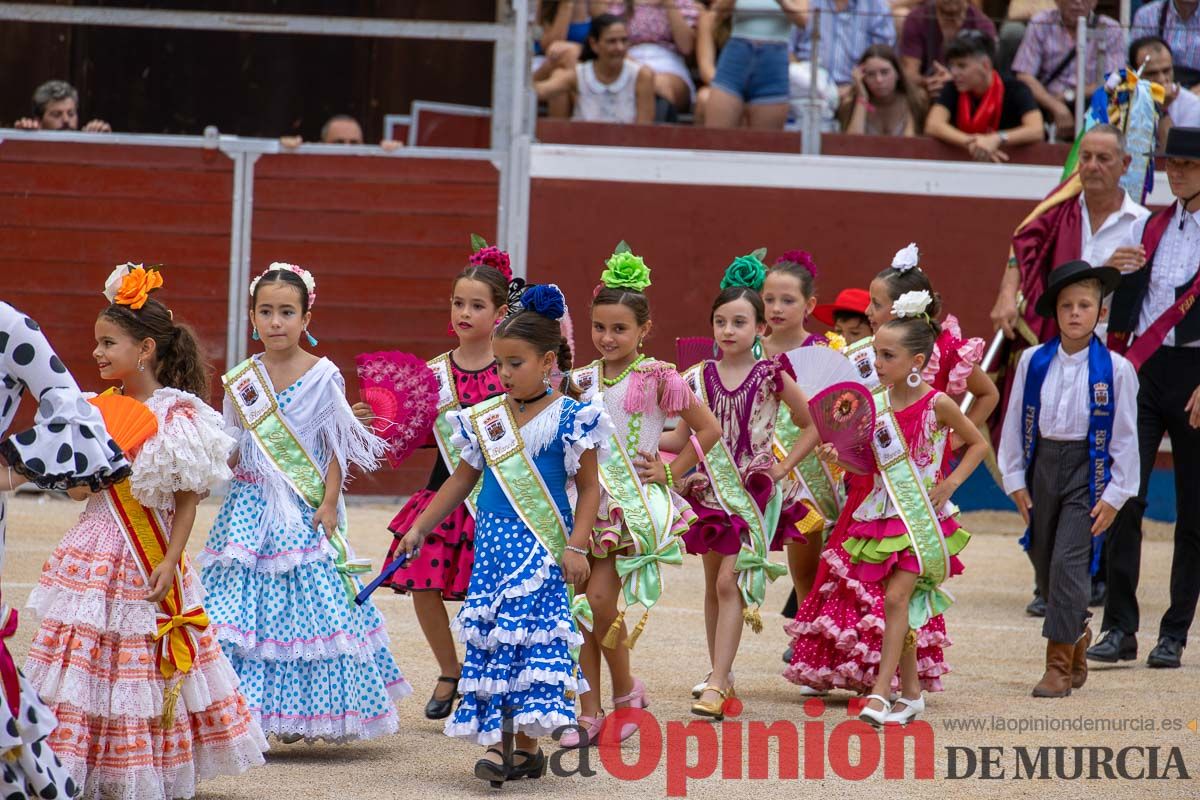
[927, 601]
[646, 585]
[581, 611]
[754, 571]
[347, 567]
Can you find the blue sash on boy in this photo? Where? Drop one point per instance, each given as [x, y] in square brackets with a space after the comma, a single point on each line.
[1100, 420]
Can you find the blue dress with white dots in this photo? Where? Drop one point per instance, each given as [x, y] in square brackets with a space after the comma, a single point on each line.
[516, 620]
[311, 664]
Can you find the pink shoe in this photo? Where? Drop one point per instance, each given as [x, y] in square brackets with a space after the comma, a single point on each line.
[636, 699]
[584, 733]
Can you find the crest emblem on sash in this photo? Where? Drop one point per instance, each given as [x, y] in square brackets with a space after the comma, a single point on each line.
[586, 380]
[864, 366]
[494, 426]
[248, 392]
[1100, 392]
[883, 436]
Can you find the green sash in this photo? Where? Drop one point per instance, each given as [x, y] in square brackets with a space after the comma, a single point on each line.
[754, 568]
[908, 495]
[813, 476]
[448, 400]
[253, 396]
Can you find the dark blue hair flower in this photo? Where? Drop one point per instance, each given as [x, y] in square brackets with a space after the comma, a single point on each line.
[545, 299]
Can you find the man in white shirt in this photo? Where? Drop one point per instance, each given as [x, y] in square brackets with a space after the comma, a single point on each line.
[1067, 459]
[1153, 56]
[1155, 313]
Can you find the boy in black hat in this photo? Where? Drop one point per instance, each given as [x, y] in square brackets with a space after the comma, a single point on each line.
[1068, 456]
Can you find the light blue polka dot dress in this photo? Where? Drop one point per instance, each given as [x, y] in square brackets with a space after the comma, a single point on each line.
[311, 663]
[516, 620]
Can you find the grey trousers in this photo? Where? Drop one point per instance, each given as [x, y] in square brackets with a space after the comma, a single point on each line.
[1061, 536]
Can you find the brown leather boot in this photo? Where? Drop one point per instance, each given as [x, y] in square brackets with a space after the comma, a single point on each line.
[1056, 682]
[1079, 667]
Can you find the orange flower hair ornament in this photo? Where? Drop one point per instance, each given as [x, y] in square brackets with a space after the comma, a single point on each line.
[131, 284]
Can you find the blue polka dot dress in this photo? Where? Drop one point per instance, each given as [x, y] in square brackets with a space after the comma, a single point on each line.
[311, 663]
[516, 621]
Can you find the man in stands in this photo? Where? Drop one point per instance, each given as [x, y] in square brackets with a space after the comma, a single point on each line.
[340, 129]
[1176, 22]
[1154, 57]
[56, 108]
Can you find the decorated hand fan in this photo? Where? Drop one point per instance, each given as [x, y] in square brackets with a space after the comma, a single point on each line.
[691, 350]
[403, 394]
[818, 368]
[129, 422]
[844, 415]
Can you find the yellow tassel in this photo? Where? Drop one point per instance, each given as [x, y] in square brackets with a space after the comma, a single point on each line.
[613, 637]
[910, 641]
[752, 619]
[641, 626]
[12, 754]
[170, 698]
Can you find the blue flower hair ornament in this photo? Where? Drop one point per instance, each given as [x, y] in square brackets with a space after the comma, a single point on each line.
[545, 299]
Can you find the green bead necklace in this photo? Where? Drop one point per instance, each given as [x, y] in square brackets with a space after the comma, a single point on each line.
[624, 373]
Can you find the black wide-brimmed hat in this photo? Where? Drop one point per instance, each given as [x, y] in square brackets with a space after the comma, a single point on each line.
[1182, 143]
[1074, 272]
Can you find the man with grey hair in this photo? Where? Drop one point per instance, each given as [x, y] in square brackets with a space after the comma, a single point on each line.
[56, 108]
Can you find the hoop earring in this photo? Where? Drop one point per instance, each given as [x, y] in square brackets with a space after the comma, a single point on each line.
[913, 379]
[255, 335]
[141, 366]
[756, 349]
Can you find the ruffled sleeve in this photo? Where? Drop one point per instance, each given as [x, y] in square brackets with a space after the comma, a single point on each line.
[68, 444]
[954, 358]
[778, 366]
[188, 454]
[587, 426]
[463, 437]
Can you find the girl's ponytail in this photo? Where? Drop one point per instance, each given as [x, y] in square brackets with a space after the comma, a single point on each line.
[565, 362]
[182, 365]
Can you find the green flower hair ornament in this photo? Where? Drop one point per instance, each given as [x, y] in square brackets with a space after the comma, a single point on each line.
[624, 270]
[748, 270]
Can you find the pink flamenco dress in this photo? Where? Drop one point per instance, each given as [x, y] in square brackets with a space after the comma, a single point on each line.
[747, 415]
[444, 561]
[838, 629]
[94, 657]
[953, 359]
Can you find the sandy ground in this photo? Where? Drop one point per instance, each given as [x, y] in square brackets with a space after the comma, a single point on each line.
[997, 657]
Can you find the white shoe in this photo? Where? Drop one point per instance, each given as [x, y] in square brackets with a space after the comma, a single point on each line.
[699, 688]
[808, 691]
[905, 715]
[872, 716]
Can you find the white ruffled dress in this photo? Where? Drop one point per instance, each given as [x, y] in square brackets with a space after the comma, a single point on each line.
[516, 621]
[93, 658]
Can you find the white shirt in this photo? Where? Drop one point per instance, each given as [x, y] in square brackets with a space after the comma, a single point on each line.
[1064, 417]
[1184, 110]
[1118, 230]
[1175, 264]
[606, 102]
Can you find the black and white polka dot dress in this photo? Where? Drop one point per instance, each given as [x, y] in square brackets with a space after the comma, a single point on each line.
[67, 446]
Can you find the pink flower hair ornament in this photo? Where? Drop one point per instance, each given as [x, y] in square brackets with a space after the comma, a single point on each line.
[801, 258]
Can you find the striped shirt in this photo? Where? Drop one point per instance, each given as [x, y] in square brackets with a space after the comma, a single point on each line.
[1047, 43]
[1183, 36]
[845, 34]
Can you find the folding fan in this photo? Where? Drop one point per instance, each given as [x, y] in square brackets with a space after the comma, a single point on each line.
[129, 422]
[844, 416]
[402, 392]
[691, 350]
[818, 368]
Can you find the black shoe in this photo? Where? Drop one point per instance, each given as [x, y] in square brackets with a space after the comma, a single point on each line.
[530, 765]
[787, 655]
[1036, 607]
[1167, 654]
[494, 773]
[1115, 645]
[1099, 594]
[440, 709]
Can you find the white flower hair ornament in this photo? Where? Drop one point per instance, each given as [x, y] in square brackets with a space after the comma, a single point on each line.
[906, 259]
[112, 284]
[310, 283]
[912, 304]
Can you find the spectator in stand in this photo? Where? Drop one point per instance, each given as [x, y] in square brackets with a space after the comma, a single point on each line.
[565, 25]
[978, 110]
[711, 36]
[340, 129]
[1177, 22]
[848, 28]
[885, 103]
[1013, 30]
[608, 86]
[752, 71]
[1045, 61]
[56, 108]
[1154, 57]
[923, 40]
[662, 36]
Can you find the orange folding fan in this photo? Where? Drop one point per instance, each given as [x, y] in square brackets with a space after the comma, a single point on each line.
[129, 422]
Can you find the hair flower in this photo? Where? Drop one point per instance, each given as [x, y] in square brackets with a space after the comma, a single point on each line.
[310, 283]
[545, 299]
[906, 259]
[112, 284]
[801, 258]
[624, 270]
[912, 304]
[747, 270]
[492, 257]
[134, 283]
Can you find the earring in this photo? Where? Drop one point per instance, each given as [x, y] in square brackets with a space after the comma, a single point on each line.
[757, 349]
[141, 366]
[546, 381]
[254, 335]
[913, 379]
[312, 340]
[716, 351]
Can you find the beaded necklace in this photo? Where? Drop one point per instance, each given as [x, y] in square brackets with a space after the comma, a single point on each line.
[624, 373]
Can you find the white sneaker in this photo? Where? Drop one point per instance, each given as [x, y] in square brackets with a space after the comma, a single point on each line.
[698, 689]
[872, 716]
[905, 715]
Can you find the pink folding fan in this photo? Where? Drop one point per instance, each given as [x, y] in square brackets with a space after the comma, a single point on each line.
[402, 391]
[844, 415]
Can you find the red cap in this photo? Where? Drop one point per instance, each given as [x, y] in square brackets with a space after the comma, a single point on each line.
[853, 300]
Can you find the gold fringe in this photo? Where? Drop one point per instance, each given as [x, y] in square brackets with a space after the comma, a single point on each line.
[641, 626]
[170, 698]
[753, 619]
[12, 754]
[613, 637]
[910, 641]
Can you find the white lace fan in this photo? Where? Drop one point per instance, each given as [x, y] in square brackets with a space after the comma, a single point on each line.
[818, 368]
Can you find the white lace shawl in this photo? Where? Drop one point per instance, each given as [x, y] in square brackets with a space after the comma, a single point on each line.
[188, 454]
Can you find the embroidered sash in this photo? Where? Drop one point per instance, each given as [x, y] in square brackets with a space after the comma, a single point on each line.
[1101, 410]
[862, 356]
[448, 400]
[907, 492]
[252, 395]
[754, 568]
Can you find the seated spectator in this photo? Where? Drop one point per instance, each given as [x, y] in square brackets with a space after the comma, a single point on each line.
[885, 103]
[340, 129]
[1176, 22]
[1014, 27]
[978, 110]
[923, 40]
[711, 36]
[848, 28]
[662, 36]
[1045, 61]
[752, 72]
[56, 108]
[1154, 57]
[608, 86]
[565, 25]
